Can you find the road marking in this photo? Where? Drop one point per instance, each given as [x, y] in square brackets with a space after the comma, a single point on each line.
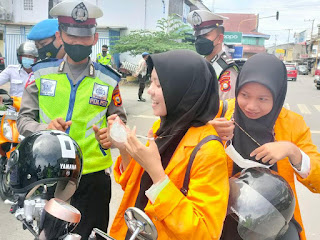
[286, 105]
[144, 116]
[303, 109]
[315, 132]
[317, 107]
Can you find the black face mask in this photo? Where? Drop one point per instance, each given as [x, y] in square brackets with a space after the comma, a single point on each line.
[204, 46]
[48, 51]
[104, 52]
[77, 52]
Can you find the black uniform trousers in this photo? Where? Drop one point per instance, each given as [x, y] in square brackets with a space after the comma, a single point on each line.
[142, 84]
[92, 199]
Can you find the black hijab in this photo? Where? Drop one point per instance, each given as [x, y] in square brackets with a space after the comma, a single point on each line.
[269, 71]
[191, 95]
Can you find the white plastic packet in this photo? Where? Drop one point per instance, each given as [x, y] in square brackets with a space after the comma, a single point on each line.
[118, 131]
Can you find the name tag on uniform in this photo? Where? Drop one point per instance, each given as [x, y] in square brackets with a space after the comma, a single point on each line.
[99, 95]
[16, 81]
[48, 87]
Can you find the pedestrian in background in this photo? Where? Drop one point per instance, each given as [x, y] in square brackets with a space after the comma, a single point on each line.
[141, 73]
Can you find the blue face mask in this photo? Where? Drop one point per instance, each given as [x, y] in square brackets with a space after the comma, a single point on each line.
[27, 62]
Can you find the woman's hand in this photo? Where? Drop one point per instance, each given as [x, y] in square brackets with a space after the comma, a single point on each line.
[274, 151]
[223, 127]
[147, 157]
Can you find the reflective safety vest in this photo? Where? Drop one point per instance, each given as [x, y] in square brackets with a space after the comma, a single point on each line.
[104, 60]
[85, 104]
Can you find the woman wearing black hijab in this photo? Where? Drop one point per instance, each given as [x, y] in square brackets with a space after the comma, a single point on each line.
[263, 131]
[184, 93]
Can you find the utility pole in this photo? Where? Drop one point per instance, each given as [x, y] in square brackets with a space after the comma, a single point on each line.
[288, 33]
[310, 20]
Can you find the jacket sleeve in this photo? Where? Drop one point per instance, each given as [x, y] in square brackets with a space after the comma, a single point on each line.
[27, 122]
[200, 214]
[302, 138]
[5, 76]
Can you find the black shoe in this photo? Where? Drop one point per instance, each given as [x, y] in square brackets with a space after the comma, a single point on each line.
[141, 100]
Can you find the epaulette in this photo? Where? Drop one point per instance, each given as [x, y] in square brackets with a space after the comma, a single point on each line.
[102, 68]
[226, 59]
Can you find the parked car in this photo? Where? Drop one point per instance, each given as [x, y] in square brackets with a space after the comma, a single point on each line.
[303, 70]
[317, 77]
[240, 62]
[292, 72]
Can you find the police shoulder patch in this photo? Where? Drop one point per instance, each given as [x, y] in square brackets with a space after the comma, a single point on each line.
[116, 97]
[224, 81]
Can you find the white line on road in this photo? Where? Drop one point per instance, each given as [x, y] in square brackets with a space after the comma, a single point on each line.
[304, 109]
[317, 107]
[144, 116]
[315, 132]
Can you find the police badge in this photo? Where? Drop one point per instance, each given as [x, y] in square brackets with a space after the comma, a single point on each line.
[80, 13]
[196, 19]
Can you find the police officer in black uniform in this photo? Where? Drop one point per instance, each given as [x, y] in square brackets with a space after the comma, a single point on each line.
[209, 33]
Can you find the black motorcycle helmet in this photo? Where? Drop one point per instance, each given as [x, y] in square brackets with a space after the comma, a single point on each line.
[46, 157]
[262, 202]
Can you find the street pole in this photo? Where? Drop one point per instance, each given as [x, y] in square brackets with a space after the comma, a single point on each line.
[312, 20]
[288, 33]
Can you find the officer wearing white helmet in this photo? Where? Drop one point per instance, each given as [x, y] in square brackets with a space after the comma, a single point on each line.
[18, 75]
[209, 33]
[75, 95]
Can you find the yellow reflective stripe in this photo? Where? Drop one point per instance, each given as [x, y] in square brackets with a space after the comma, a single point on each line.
[97, 118]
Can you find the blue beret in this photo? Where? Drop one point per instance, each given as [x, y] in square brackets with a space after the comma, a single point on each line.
[44, 29]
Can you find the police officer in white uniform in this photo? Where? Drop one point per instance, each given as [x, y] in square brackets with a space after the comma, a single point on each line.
[18, 75]
[209, 33]
[72, 95]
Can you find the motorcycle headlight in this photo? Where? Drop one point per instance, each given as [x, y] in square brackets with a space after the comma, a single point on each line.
[7, 131]
[317, 77]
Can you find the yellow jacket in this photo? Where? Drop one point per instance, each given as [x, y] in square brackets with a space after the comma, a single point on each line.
[290, 126]
[200, 215]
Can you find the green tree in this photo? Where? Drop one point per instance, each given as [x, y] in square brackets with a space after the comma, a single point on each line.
[173, 34]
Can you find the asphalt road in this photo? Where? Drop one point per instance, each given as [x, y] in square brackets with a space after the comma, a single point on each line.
[302, 98]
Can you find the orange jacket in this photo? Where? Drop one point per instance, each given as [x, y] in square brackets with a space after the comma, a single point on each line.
[200, 215]
[290, 126]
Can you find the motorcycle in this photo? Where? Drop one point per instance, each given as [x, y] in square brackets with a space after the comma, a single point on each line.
[56, 219]
[9, 138]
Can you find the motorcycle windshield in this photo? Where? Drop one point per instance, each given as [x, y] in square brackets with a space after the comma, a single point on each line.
[257, 218]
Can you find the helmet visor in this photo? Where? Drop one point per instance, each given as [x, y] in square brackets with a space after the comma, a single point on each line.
[257, 218]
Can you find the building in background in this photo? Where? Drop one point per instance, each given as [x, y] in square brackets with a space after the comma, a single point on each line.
[120, 16]
[246, 27]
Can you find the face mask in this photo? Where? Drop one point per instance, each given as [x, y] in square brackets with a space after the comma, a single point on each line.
[48, 51]
[204, 46]
[104, 52]
[27, 62]
[240, 161]
[77, 52]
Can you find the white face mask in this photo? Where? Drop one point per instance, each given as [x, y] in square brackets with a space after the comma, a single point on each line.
[240, 161]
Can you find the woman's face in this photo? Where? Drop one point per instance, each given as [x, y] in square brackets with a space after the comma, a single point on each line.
[255, 100]
[155, 91]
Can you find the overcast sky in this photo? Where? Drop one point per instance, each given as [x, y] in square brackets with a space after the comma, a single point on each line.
[293, 15]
